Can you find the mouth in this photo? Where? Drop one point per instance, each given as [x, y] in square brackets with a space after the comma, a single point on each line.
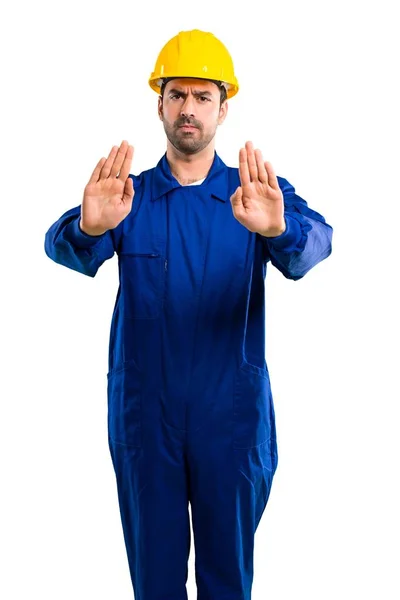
[188, 127]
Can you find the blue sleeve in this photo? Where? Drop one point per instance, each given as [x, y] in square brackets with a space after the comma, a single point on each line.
[68, 245]
[306, 241]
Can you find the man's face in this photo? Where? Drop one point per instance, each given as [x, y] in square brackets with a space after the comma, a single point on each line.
[194, 102]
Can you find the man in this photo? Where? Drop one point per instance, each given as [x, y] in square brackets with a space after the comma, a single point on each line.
[190, 409]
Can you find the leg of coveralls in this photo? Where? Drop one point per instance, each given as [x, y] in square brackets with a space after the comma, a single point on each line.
[229, 490]
[153, 500]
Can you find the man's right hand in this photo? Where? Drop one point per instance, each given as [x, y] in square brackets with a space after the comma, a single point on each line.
[108, 196]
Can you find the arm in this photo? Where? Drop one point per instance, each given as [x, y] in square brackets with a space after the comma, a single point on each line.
[107, 200]
[306, 241]
[67, 245]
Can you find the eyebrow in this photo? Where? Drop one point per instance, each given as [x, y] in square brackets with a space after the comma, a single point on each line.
[196, 92]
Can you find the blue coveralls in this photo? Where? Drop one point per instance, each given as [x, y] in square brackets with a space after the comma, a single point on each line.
[190, 409]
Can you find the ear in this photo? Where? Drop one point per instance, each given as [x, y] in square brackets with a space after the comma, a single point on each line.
[223, 111]
[160, 108]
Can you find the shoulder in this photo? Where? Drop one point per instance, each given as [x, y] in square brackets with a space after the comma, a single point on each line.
[141, 179]
[284, 185]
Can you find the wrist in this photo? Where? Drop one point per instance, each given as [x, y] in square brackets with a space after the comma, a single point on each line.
[91, 232]
[275, 232]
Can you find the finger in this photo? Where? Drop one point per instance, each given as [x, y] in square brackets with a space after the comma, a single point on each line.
[251, 159]
[126, 165]
[95, 175]
[105, 171]
[262, 172]
[243, 167]
[272, 179]
[119, 159]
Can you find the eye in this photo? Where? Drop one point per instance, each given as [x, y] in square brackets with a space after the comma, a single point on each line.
[175, 96]
[204, 98]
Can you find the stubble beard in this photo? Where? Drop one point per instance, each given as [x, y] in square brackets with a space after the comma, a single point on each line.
[185, 141]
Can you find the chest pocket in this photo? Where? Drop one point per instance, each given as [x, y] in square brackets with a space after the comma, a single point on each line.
[142, 279]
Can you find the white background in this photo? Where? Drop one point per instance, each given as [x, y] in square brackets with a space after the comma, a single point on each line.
[319, 96]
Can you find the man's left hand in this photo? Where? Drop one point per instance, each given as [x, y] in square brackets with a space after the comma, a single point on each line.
[258, 202]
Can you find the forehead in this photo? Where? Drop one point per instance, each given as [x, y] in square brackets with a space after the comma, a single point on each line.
[195, 85]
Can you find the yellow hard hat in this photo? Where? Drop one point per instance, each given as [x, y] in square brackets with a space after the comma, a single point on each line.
[196, 54]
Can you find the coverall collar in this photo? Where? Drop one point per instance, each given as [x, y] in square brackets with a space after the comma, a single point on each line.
[215, 182]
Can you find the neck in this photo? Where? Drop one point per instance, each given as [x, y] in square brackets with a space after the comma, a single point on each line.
[190, 168]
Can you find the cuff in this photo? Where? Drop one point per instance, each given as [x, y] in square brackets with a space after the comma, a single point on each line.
[79, 238]
[293, 238]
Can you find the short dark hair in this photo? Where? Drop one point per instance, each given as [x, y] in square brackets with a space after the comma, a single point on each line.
[222, 88]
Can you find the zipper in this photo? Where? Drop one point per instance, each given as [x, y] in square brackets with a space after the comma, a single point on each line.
[146, 255]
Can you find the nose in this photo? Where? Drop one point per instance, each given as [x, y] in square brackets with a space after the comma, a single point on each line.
[187, 109]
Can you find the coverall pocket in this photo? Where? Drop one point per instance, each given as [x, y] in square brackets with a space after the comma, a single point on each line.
[142, 278]
[254, 419]
[125, 405]
[256, 467]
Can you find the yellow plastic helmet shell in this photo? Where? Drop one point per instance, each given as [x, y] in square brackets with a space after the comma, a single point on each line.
[196, 54]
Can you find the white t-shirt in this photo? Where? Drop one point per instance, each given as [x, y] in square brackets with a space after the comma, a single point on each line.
[197, 182]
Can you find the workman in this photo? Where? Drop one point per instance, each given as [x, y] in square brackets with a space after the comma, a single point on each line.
[190, 410]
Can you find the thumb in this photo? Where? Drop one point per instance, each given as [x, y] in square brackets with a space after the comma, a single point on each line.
[128, 191]
[236, 198]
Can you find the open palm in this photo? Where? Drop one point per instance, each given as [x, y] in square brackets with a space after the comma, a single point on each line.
[258, 202]
[109, 193]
